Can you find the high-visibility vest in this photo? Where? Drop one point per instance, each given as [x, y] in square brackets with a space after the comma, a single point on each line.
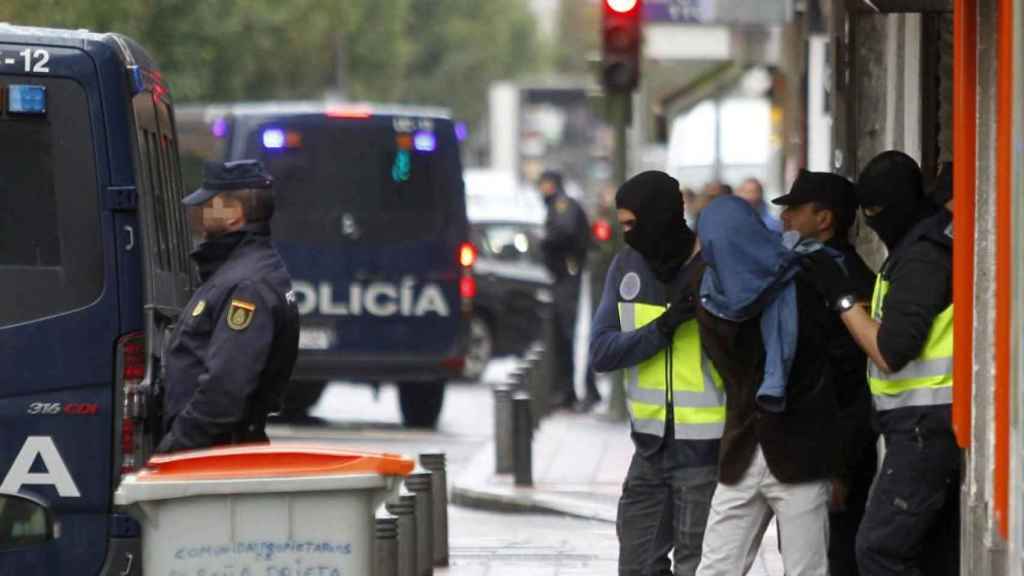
[680, 375]
[925, 381]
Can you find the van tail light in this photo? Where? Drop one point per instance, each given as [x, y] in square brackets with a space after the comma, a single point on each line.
[131, 361]
[467, 283]
[467, 255]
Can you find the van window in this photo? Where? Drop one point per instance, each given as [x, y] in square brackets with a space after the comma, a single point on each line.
[357, 180]
[51, 256]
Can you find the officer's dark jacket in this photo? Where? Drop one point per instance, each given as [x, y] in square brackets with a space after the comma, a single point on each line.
[231, 356]
[920, 273]
[567, 237]
[612, 349]
[799, 444]
[856, 434]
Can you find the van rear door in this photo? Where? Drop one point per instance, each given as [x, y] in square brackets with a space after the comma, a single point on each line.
[58, 308]
[370, 217]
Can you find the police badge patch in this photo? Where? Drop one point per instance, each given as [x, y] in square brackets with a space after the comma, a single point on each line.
[240, 314]
[200, 306]
[629, 288]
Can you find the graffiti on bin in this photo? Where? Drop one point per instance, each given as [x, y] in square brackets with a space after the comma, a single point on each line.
[262, 549]
[262, 558]
[269, 570]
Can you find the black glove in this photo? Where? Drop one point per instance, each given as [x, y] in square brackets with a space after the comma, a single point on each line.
[828, 277]
[682, 309]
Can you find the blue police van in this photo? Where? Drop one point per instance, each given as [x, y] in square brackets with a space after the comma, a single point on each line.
[94, 270]
[371, 222]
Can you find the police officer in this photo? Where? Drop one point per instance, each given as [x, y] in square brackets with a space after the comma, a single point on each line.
[565, 244]
[231, 356]
[645, 325]
[908, 338]
[823, 206]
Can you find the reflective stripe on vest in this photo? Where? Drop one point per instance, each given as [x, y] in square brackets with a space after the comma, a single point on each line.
[927, 380]
[697, 394]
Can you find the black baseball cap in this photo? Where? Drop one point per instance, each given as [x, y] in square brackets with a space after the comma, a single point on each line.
[238, 175]
[826, 188]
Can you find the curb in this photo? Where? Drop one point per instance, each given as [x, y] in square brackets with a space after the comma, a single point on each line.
[476, 489]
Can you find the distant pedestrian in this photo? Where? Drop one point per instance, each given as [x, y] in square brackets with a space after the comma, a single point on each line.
[564, 247]
[822, 206]
[752, 191]
[645, 326]
[765, 328]
[231, 356]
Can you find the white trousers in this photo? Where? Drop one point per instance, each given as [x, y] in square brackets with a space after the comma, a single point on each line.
[740, 514]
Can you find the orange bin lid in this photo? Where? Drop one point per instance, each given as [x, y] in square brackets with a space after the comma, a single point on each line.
[272, 460]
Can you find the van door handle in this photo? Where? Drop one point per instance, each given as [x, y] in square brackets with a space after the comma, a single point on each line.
[131, 238]
[128, 565]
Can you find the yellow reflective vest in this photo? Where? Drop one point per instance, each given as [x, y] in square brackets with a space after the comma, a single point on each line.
[925, 381]
[680, 375]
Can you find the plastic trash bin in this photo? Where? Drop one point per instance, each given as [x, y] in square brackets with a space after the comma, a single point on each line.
[262, 510]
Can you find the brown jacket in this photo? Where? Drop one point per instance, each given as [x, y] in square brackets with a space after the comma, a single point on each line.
[800, 443]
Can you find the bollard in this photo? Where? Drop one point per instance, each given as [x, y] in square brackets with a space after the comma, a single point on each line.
[419, 482]
[523, 428]
[551, 371]
[435, 462]
[404, 507]
[385, 544]
[534, 385]
[502, 429]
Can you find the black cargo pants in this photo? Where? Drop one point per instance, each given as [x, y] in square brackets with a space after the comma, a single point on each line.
[911, 526]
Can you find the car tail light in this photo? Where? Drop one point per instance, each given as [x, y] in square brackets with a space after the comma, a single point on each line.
[467, 287]
[467, 255]
[131, 356]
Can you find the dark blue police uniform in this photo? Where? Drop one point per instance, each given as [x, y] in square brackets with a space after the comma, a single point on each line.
[230, 358]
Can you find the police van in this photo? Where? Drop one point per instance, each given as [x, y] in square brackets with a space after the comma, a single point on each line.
[371, 221]
[93, 269]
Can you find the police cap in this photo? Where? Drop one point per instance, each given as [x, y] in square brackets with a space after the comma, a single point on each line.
[238, 175]
[830, 190]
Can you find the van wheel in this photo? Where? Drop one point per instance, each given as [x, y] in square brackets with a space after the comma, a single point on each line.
[301, 397]
[421, 403]
[481, 347]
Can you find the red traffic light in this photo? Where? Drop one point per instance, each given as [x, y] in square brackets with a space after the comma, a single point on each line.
[602, 230]
[621, 6]
[621, 31]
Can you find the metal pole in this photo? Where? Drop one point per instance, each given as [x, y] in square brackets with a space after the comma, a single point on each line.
[620, 112]
[502, 429]
[523, 425]
[435, 462]
[385, 544]
[420, 483]
[404, 507]
[534, 386]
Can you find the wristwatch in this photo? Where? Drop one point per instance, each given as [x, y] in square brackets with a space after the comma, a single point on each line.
[845, 303]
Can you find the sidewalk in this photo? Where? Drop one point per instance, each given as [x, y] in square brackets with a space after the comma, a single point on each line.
[579, 463]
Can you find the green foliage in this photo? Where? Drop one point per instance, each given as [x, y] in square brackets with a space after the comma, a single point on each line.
[443, 52]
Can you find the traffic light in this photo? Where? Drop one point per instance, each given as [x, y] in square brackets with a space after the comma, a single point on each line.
[620, 44]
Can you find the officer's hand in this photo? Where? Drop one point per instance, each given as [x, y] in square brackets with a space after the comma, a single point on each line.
[682, 309]
[828, 277]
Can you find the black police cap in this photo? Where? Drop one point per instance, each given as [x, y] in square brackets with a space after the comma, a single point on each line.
[238, 175]
[831, 190]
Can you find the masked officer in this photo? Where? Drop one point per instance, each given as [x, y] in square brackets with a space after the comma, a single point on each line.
[230, 358]
[908, 337]
[645, 325]
[565, 244]
[822, 206]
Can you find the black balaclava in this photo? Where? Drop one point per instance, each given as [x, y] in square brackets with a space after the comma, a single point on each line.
[660, 234]
[892, 182]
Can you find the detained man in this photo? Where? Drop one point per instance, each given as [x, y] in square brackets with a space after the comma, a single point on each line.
[768, 340]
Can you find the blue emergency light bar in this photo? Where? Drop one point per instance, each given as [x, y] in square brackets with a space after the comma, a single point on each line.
[424, 141]
[26, 99]
[273, 139]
